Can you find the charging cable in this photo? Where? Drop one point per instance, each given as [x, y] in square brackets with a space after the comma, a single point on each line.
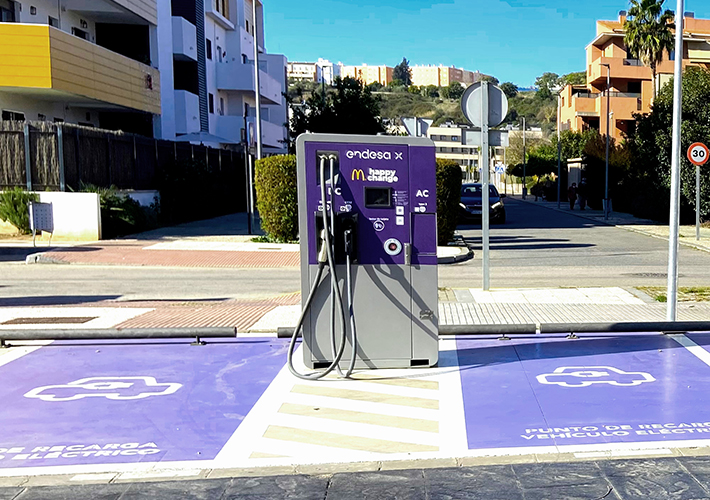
[325, 256]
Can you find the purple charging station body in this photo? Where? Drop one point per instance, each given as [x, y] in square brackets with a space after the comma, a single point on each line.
[385, 194]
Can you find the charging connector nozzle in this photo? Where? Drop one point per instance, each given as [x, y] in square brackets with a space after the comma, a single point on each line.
[323, 251]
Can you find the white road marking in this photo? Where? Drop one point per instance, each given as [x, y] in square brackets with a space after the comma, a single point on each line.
[692, 347]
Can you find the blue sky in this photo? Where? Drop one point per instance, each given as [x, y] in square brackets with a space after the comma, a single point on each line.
[514, 40]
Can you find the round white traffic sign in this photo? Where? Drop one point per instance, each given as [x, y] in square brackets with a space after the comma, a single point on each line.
[698, 153]
[471, 105]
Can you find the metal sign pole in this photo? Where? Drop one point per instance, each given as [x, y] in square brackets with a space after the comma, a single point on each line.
[485, 182]
[698, 154]
[697, 202]
[672, 294]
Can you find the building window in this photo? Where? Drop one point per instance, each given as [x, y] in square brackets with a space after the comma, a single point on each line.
[219, 53]
[211, 104]
[7, 11]
[13, 115]
[247, 24]
[221, 7]
[455, 138]
[221, 105]
[81, 34]
[209, 48]
[672, 55]
[53, 21]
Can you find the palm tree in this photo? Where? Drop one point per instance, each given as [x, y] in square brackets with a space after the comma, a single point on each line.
[648, 33]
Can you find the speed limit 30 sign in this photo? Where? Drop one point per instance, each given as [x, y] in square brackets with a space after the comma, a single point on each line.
[698, 153]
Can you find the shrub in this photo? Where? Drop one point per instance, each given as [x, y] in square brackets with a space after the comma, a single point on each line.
[448, 198]
[14, 208]
[277, 197]
[120, 214]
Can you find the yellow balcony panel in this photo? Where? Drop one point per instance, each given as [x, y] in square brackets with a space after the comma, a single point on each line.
[77, 71]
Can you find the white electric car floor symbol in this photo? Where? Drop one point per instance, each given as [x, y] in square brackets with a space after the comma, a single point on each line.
[584, 376]
[115, 388]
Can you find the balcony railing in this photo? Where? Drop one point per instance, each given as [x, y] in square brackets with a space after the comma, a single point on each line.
[595, 95]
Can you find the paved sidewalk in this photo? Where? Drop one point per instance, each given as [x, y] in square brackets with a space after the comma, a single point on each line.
[631, 223]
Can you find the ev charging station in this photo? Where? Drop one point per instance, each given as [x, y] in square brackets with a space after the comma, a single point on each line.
[367, 220]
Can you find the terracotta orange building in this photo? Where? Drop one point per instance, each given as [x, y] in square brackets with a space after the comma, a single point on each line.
[584, 107]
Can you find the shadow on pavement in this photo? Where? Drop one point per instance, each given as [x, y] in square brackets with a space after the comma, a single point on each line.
[54, 300]
[558, 348]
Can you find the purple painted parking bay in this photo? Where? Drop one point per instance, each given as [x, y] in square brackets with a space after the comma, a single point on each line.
[555, 392]
[108, 403]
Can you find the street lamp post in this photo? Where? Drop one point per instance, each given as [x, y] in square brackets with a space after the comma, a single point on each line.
[525, 184]
[559, 150]
[608, 135]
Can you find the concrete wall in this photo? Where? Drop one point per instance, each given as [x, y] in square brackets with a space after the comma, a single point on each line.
[77, 216]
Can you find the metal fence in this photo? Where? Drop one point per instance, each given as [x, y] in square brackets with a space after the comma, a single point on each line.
[59, 157]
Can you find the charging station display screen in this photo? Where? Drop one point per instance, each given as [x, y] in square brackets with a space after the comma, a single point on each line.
[377, 197]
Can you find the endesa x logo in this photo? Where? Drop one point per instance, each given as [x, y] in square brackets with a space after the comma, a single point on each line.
[398, 156]
[358, 175]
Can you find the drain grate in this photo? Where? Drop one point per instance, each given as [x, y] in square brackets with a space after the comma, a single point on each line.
[49, 321]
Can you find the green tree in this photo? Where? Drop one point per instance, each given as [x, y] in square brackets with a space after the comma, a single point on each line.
[578, 78]
[349, 108]
[455, 90]
[430, 91]
[546, 85]
[651, 148]
[490, 79]
[648, 33]
[403, 73]
[509, 89]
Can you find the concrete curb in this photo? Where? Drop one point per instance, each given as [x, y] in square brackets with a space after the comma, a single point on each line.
[464, 253]
[41, 258]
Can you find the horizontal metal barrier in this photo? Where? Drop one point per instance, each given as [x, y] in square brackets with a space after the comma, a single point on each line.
[571, 328]
[117, 334]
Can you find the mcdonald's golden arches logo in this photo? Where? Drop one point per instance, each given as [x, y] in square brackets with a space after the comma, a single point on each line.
[358, 175]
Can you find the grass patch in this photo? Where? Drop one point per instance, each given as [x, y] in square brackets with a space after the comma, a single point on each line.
[685, 294]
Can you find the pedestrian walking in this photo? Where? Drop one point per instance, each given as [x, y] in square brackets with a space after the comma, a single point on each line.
[572, 195]
[582, 194]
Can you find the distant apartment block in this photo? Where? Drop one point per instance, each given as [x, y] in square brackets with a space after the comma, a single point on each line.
[161, 68]
[322, 71]
[442, 76]
[584, 107]
[92, 63]
[369, 74]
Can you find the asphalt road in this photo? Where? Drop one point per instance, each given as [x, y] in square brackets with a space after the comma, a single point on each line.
[537, 247]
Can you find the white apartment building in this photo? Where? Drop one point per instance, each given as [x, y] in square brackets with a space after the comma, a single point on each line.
[207, 63]
[161, 68]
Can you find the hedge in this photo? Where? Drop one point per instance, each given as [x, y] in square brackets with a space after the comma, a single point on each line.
[448, 198]
[277, 197]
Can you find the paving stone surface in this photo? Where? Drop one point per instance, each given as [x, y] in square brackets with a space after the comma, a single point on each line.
[647, 479]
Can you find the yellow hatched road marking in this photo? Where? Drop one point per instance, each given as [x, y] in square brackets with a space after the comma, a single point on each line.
[331, 440]
[400, 382]
[361, 417]
[259, 454]
[432, 404]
